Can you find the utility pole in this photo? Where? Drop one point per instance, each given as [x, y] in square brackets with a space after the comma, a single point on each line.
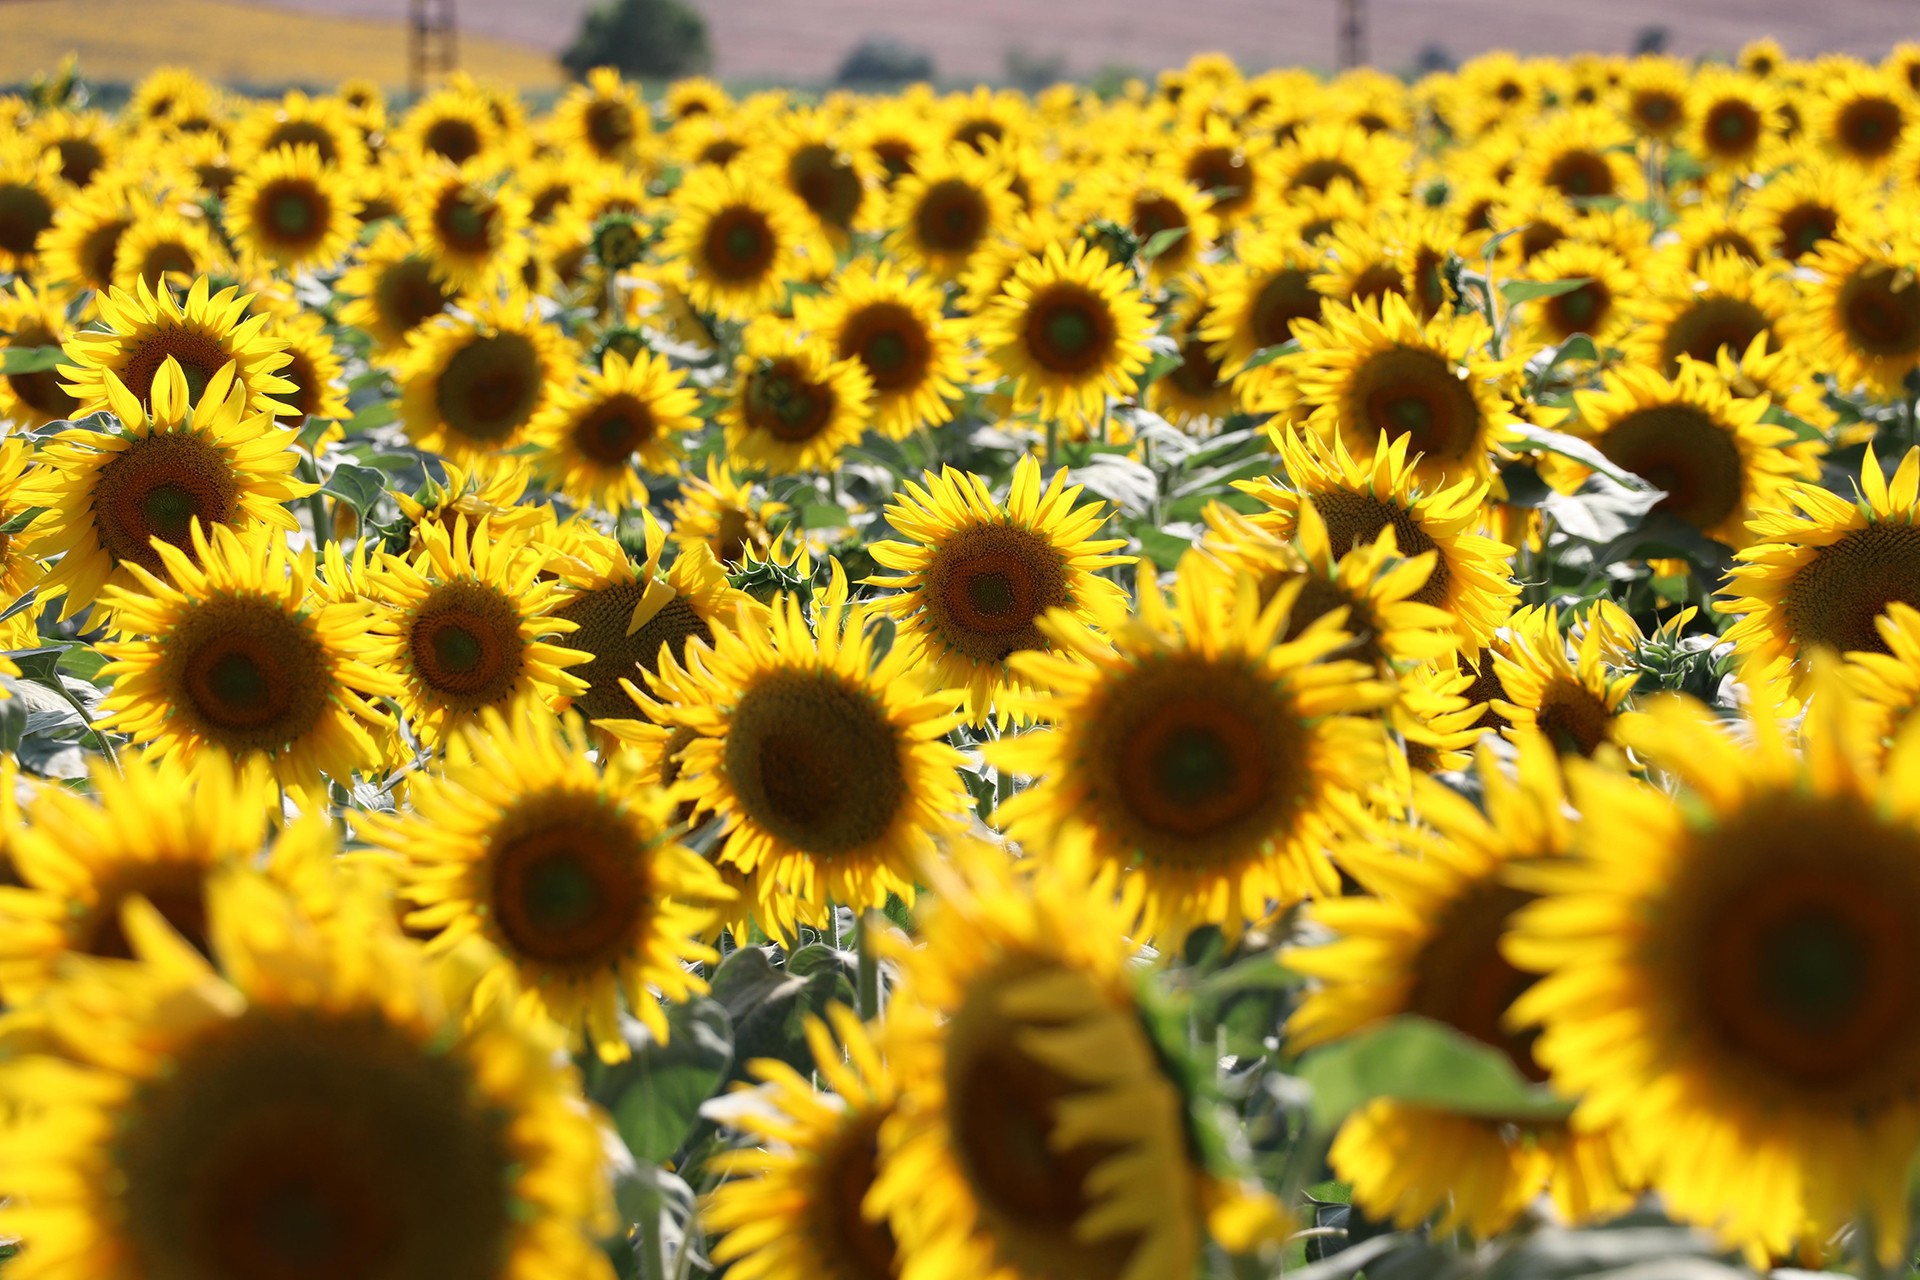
[430, 43]
[1353, 32]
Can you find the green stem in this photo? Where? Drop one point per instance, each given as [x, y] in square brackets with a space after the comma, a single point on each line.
[1053, 444]
[316, 504]
[869, 972]
[653, 1244]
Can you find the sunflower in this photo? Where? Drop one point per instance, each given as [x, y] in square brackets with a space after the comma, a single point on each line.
[726, 515]
[792, 1208]
[602, 118]
[392, 290]
[20, 565]
[465, 627]
[806, 154]
[627, 612]
[493, 490]
[1729, 973]
[77, 249]
[29, 200]
[230, 654]
[977, 575]
[1326, 154]
[1374, 374]
[952, 205]
[1196, 391]
[739, 241]
[314, 368]
[1038, 1134]
[471, 231]
[1356, 501]
[287, 212]
[1070, 330]
[1735, 122]
[1574, 700]
[1257, 303]
[454, 124]
[297, 119]
[1597, 307]
[1704, 229]
[147, 327]
[309, 1106]
[1714, 456]
[1585, 153]
[597, 435]
[893, 324]
[1820, 570]
[31, 319]
[794, 405]
[1401, 252]
[111, 493]
[694, 97]
[1725, 303]
[1656, 97]
[1860, 314]
[1154, 203]
[569, 873]
[1427, 943]
[472, 382]
[1859, 119]
[1204, 764]
[166, 247]
[826, 764]
[152, 827]
[1886, 685]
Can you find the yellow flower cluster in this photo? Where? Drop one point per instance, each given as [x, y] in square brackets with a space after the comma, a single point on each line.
[1151, 599]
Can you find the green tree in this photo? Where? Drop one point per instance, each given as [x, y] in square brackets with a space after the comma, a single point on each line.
[657, 38]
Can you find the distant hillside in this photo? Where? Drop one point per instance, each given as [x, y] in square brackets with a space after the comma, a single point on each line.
[805, 39]
[121, 40]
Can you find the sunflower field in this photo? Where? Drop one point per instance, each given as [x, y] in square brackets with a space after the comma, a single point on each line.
[1269, 675]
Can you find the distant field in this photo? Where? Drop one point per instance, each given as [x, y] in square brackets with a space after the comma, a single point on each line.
[120, 40]
[804, 40]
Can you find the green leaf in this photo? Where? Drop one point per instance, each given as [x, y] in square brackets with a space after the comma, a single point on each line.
[358, 487]
[824, 515]
[1161, 547]
[83, 662]
[1421, 1062]
[1531, 290]
[1267, 355]
[769, 1004]
[373, 416]
[19, 523]
[1256, 973]
[1581, 452]
[29, 359]
[658, 1091]
[1161, 241]
[1801, 428]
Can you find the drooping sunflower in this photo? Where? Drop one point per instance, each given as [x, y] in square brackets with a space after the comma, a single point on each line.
[305, 1104]
[795, 405]
[568, 872]
[1070, 329]
[231, 654]
[793, 1207]
[894, 325]
[32, 319]
[472, 383]
[1373, 374]
[392, 290]
[725, 514]
[1860, 314]
[604, 118]
[1356, 501]
[1573, 700]
[1725, 303]
[626, 612]
[1426, 942]
[288, 212]
[597, 435]
[202, 334]
[469, 228]
[1038, 1134]
[947, 209]
[740, 241]
[977, 575]
[827, 765]
[467, 627]
[1201, 763]
[152, 827]
[110, 493]
[1820, 570]
[1749, 947]
[1713, 455]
